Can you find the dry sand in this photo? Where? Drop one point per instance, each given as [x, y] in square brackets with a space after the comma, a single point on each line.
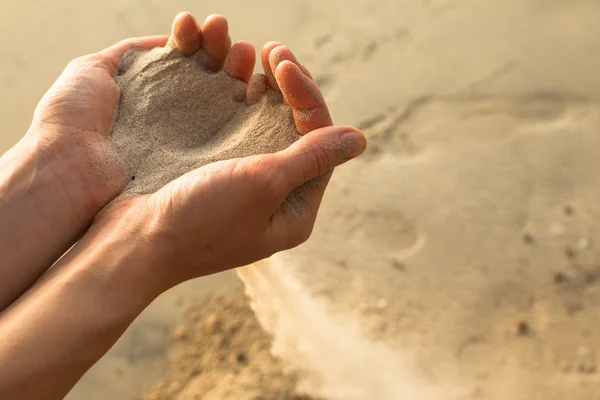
[222, 353]
[478, 269]
[461, 253]
[175, 115]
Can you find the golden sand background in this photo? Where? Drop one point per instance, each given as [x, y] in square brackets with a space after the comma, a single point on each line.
[371, 59]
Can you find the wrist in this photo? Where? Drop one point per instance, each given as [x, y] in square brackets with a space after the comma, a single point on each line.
[29, 205]
[82, 159]
[47, 178]
[93, 293]
[18, 171]
[146, 233]
[118, 258]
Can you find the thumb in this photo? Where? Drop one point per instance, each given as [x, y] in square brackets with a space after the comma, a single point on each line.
[319, 152]
[314, 156]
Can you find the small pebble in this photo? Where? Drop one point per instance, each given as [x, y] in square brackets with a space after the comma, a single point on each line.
[241, 358]
[179, 334]
[559, 278]
[583, 244]
[382, 303]
[528, 238]
[557, 229]
[570, 253]
[569, 210]
[583, 351]
[589, 278]
[398, 266]
[586, 368]
[522, 328]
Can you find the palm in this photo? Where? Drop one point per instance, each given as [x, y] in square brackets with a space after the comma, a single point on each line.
[72, 124]
[238, 206]
[83, 98]
[234, 212]
[244, 209]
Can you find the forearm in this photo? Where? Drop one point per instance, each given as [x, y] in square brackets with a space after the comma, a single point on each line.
[39, 220]
[54, 333]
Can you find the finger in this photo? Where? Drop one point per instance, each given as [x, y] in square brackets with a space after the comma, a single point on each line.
[240, 61]
[283, 53]
[186, 34]
[114, 53]
[303, 95]
[318, 153]
[264, 56]
[216, 41]
[258, 86]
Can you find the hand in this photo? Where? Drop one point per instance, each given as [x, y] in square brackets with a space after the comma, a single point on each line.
[72, 122]
[232, 213]
[236, 212]
[60, 174]
[54, 181]
[218, 217]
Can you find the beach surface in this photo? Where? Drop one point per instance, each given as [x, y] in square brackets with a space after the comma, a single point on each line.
[458, 258]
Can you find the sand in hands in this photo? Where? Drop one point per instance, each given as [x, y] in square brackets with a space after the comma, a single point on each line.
[175, 115]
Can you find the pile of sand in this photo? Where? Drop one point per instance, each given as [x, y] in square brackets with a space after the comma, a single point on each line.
[176, 115]
[222, 353]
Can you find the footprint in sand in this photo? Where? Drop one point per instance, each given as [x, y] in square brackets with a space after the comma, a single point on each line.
[185, 106]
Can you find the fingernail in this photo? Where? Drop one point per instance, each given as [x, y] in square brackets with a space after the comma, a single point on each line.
[352, 144]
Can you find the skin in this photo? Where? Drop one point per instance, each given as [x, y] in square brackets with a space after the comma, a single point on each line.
[57, 323]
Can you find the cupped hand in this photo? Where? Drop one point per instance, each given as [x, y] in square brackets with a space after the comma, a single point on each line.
[71, 126]
[220, 216]
[235, 212]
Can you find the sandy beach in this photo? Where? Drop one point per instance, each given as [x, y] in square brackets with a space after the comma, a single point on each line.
[458, 258]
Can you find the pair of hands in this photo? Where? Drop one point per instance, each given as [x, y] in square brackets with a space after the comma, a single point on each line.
[218, 217]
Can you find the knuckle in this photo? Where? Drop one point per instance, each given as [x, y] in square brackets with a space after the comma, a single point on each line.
[77, 62]
[318, 161]
[89, 61]
[267, 176]
[129, 42]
